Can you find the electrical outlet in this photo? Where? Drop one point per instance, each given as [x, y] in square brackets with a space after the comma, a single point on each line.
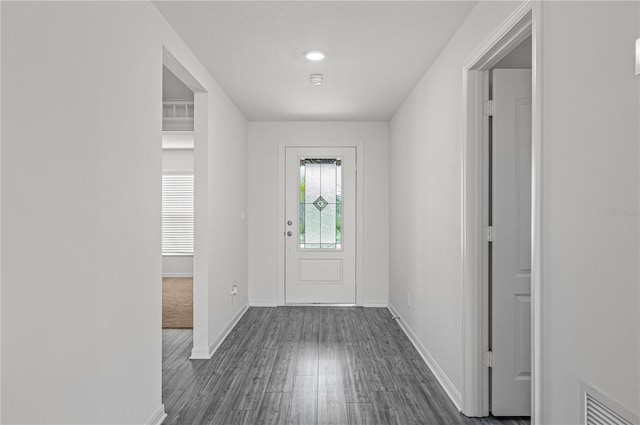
[233, 292]
[408, 300]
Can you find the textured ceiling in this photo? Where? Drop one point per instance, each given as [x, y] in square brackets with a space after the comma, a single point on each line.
[377, 51]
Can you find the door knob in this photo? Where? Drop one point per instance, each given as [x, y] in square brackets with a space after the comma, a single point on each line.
[289, 233]
[289, 222]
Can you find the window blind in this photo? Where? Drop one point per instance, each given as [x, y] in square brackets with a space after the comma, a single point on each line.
[177, 214]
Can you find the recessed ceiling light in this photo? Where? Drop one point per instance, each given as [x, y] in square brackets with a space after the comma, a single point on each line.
[315, 55]
[316, 79]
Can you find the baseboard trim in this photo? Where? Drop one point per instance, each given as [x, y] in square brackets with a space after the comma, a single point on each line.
[263, 304]
[443, 379]
[275, 304]
[201, 353]
[376, 304]
[177, 275]
[158, 417]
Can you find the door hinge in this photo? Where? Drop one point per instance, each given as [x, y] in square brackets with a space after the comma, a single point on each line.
[489, 107]
[488, 359]
[489, 234]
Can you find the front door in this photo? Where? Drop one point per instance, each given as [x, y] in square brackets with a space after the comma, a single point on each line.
[511, 247]
[320, 225]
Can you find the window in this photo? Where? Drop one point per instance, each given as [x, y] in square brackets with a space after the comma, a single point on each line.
[321, 203]
[177, 214]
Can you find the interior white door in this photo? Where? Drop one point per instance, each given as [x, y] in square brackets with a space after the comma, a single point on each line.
[511, 247]
[320, 225]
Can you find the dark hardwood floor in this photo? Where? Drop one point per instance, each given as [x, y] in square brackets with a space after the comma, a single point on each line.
[307, 366]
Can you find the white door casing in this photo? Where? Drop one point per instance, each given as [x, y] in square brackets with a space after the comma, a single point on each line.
[511, 246]
[525, 21]
[320, 261]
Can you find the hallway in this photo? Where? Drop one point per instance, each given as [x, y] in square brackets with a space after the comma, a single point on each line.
[307, 365]
[81, 210]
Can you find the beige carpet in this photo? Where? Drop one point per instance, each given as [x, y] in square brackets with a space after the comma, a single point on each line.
[177, 303]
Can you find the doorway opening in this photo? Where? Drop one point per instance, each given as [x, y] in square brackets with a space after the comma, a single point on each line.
[177, 203]
[500, 222]
[185, 136]
[177, 217]
[508, 214]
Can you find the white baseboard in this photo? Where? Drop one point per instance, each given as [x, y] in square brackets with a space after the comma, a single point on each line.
[376, 304]
[201, 353]
[177, 275]
[263, 303]
[158, 417]
[443, 379]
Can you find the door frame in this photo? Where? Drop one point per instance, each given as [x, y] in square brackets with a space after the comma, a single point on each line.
[200, 349]
[524, 21]
[322, 143]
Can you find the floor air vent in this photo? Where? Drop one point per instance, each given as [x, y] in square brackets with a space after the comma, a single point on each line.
[599, 409]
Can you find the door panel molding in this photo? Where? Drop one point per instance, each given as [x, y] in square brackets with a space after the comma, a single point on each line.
[322, 143]
[511, 250]
[179, 66]
[330, 272]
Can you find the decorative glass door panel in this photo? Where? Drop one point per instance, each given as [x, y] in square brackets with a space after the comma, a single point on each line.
[320, 203]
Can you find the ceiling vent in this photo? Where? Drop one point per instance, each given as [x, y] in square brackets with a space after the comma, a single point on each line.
[598, 409]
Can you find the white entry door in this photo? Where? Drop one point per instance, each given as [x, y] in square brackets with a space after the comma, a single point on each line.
[320, 227]
[511, 247]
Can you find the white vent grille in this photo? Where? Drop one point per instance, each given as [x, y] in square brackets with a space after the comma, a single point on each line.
[599, 409]
[599, 414]
[177, 110]
[177, 115]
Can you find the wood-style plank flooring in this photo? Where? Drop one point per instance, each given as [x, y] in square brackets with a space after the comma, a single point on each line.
[307, 366]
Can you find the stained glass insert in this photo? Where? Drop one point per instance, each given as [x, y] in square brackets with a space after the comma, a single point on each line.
[321, 203]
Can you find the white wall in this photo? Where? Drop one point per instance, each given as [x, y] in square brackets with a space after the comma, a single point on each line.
[177, 160]
[81, 160]
[425, 214]
[177, 266]
[227, 256]
[591, 232]
[264, 138]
